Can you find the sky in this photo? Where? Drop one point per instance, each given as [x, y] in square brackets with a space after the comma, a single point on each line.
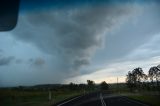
[73, 41]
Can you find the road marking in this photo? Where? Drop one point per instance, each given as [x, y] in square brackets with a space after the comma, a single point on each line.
[69, 100]
[124, 100]
[102, 101]
[134, 101]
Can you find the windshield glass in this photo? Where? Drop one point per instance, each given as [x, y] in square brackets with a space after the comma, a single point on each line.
[63, 41]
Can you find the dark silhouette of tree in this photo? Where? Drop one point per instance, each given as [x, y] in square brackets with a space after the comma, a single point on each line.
[154, 74]
[130, 80]
[91, 84]
[72, 86]
[158, 74]
[134, 79]
[158, 66]
[139, 74]
[104, 85]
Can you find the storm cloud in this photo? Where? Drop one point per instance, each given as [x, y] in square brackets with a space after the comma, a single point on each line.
[71, 34]
[67, 41]
[37, 62]
[5, 60]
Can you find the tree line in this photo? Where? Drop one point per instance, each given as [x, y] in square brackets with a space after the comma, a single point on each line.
[90, 86]
[138, 80]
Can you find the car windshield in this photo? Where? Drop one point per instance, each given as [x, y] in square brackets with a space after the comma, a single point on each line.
[61, 50]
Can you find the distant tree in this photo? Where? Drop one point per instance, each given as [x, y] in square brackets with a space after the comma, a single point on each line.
[82, 86]
[138, 74]
[134, 79]
[151, 74]
[158, 73]
[154, 74]
[130, 80]
[91, 84]
[158, 78]
[104, 85]
[72, 86]
[158, 66]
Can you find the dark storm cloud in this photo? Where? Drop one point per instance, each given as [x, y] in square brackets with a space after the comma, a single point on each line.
[5, 60]
[40, 4]
[36, 61]
[72, 35]
[39, 62]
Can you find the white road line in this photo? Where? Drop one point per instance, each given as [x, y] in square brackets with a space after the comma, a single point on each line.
[69, 100]
[124, 100]
[134, 101]
[102, 101]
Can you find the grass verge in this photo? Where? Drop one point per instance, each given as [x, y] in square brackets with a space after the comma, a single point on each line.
[149, 99]
[33, 98]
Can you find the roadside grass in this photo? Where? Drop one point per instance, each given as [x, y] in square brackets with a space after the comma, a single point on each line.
[62, 97]
[153, 100]
[33, 98]
[148, 97]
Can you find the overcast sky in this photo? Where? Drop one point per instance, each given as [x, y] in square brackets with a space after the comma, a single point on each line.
[64, 42]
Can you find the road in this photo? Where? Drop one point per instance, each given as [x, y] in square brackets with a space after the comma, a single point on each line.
[100, 99]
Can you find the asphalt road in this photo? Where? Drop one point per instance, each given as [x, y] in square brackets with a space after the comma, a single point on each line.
[100, 99]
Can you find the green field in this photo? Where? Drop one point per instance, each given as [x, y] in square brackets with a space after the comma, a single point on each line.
[38, 95]
[32, 98]
[149, 99]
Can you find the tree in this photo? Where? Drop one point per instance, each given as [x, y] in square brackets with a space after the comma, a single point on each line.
[158, 73]
[91, 84]
[130, 80]
[104, 85]
[154, 74]
[139, 74]
[134, 79]
[158, 66]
